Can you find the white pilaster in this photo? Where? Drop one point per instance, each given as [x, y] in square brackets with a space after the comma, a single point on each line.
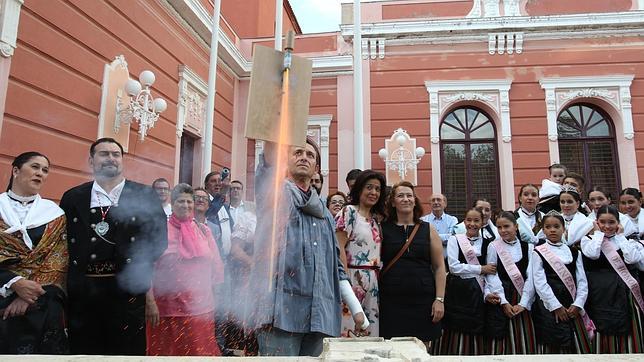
[9, 19]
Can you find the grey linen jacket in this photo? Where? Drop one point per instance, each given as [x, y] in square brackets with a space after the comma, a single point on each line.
[302, 294]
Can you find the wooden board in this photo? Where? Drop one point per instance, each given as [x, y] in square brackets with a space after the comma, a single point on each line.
[266, 95]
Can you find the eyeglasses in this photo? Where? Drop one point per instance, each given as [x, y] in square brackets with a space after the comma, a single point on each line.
[202, 198]
[163, 189]
[341, 203]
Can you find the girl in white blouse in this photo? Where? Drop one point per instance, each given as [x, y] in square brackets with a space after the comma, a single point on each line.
[464, 320]
[557, 312]
[630, 203]
[576, 224]
[509, 324]
[614, 296]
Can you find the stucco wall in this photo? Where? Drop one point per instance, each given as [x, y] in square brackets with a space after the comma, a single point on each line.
[54, 90]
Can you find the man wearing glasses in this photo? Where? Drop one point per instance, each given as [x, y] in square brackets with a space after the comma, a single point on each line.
[162, 187]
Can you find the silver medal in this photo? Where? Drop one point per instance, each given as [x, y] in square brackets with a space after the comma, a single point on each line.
[102, 228]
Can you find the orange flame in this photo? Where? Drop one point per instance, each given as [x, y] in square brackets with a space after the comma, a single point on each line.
[280, 169]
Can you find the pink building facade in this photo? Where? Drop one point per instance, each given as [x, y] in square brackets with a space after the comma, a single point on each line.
[495, 91]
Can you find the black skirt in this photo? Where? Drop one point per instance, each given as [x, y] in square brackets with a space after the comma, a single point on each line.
[465, 309]
[41, 330]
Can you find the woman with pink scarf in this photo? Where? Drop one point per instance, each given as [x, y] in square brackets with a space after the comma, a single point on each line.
[180, 309]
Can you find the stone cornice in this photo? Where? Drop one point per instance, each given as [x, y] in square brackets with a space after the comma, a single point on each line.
[457, 27]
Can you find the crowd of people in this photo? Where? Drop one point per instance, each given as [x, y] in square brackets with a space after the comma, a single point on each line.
[122, 268]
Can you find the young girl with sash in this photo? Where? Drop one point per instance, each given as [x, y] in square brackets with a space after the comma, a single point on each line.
[464, 321]
[529, 218]
[561, 286]
[509, 324]
[615, 300]
[576, 224]
[598, 197]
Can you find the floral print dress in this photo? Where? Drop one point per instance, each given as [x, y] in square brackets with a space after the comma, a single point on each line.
[363, 260]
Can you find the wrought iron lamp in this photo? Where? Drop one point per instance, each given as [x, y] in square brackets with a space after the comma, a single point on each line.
[402, 158]
[142, 107]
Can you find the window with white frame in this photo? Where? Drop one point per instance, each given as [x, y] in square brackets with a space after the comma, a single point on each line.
[587, 145]
[485, 98]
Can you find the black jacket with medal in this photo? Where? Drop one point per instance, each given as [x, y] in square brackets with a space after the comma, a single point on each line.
[137, 229]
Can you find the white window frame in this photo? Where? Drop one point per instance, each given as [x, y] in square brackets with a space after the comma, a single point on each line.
[613, 94]
[192, 98]
[493, 97]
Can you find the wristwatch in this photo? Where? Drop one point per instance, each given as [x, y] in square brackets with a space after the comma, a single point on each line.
[440, 299]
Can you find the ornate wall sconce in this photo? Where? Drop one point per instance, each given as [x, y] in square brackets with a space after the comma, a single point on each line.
[400, 156]
[141, 107]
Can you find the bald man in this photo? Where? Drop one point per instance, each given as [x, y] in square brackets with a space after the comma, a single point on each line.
[443, 222]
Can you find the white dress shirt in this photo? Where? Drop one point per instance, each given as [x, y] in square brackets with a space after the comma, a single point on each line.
[541, 285]
[463, 270]
[493, 283]
[102, 198]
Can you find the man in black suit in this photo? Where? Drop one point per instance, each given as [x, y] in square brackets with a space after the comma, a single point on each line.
[116, 231]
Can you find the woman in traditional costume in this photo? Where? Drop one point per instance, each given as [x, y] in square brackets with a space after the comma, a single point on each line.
[359, 235]
[464, 321]
[576, 224]
[615, 300]
[598, 197]
[412, 282]
[488, 231]
[630, 203]
[184, 280]
[561, 287]
[33, 263]
[509, 324]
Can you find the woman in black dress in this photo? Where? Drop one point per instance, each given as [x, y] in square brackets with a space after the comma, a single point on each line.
[413, 287]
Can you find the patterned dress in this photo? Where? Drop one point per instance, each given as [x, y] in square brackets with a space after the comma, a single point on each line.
[363, 260]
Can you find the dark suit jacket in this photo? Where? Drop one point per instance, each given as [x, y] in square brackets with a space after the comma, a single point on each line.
[140, 233]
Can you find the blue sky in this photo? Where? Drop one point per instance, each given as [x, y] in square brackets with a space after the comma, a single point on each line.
[316, 16]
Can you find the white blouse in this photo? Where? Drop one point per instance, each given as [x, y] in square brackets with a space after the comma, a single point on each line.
[530, 219]
[577, 228]
[463, 270]
[541, 285]
[638, 221]
[632, 250]
[493, 283]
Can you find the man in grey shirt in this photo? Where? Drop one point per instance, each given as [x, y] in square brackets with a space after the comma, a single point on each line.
[297, 280]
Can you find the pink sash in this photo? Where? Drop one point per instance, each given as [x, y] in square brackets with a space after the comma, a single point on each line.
[509, 265]
[564, 274]
[470, 257]
[620, 268]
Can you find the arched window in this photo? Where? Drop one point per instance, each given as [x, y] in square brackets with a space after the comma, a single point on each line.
[587, 145]
[469, 159]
